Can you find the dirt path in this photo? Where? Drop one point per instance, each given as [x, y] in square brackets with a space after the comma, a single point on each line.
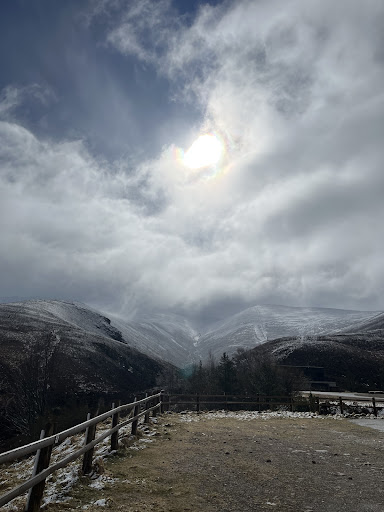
[205, 463]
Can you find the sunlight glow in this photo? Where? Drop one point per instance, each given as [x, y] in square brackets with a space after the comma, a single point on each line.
[207, 150]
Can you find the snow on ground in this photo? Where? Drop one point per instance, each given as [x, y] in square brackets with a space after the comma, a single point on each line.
[59, 484]
[347, 396]
[251, 415]
[375, 423]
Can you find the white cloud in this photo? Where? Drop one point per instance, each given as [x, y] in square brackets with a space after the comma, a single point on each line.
[296, 90]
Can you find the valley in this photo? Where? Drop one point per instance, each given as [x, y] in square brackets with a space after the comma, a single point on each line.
[59, 354]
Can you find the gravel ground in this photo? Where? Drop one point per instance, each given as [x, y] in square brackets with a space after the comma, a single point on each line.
[233, 463]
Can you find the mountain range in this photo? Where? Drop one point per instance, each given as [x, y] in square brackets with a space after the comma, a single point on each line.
[58, 354]
[71, 345]
[172, 338]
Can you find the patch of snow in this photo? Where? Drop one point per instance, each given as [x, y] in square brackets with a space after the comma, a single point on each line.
[252, 415]
[375, 423]
[100, 503]
[61, 482]
[102, 481]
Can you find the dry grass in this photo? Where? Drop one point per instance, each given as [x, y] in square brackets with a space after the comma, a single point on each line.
[230, 465]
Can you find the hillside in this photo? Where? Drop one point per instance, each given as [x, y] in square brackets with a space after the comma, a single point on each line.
[373, 324]
[56, 353]
[354, 361]
[257, 325]
[168, 337]
[174, 339]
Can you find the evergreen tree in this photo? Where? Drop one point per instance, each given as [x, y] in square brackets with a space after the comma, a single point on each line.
[226, 374]
[198, 380]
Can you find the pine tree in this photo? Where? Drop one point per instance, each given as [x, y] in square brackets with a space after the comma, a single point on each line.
[226, 374]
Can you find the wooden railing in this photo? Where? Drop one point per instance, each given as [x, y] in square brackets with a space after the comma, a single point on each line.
[262, 402]
[199, 401]
[136, 410]
[43, 447]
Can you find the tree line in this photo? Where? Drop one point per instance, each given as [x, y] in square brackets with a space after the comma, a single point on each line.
[35, 389]
[245, 373]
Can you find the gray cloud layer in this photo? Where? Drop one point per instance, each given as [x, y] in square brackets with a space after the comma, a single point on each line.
[295, 88]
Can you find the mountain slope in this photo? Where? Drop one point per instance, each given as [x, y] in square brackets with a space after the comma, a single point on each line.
[172, 338]
[164, 337]
[47, 360]
[259, 324]
[168, 337]
[354, 361]
[373, 324]
[82, 337]
[72, 313]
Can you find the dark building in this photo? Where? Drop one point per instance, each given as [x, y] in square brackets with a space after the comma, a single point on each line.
[316, 377]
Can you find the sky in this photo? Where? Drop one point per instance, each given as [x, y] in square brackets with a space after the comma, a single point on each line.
[100, 101]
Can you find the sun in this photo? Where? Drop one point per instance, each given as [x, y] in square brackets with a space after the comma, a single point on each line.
[206, 151]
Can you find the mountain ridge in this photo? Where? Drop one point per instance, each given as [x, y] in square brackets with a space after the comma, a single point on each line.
[172, 337]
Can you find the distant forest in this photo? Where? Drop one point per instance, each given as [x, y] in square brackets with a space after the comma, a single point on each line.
[246, 373]
[36, 392]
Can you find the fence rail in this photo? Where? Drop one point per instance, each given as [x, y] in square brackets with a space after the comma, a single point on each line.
[43, 447]
[312, 402]
[136, 410]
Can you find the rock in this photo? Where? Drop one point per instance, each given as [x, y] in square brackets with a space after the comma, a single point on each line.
[98, 466]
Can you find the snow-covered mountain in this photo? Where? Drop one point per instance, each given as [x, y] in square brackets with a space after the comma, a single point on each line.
[355, 361]
[84, 341]
[259, 324]
[164, 337]
[172, 338]
[65, 313]
[168, 337]
[58, 354]
[372, 324]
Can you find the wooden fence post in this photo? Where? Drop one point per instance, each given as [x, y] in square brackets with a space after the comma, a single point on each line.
[147, 404]
[162, 401]
[311, 400]
[115, 421]
[341, 405]
[42, 459]
[197, 402]
[291, 404]
[374, 406]
[318, 405]
[136, 421]
[154, 412]
[90, 433]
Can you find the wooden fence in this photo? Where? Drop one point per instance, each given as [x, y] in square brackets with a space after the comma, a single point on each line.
[43, 447]
[200, 402]
[260, 402]
[142, 408]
